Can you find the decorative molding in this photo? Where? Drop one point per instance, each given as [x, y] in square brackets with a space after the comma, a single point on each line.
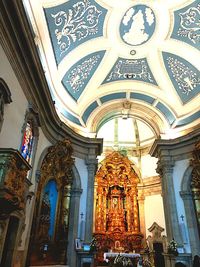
[186, 24]
[133, 69]
[72, 24]
[184, 76]
[137, 25]
[13, 184]
[77, 77]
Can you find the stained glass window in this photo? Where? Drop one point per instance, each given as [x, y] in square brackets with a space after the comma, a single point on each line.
[27, 142]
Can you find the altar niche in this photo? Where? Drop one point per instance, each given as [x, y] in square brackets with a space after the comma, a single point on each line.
[116, 222]
[49, 234]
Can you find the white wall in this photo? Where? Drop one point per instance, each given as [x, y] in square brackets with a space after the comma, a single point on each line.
[15, 111]
[154, 212]
[148, 166]
[179, 170]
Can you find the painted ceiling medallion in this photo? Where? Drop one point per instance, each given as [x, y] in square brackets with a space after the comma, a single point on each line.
[137, 25]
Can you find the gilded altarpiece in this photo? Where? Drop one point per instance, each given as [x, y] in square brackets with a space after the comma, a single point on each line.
[117, 226]
[50, 224]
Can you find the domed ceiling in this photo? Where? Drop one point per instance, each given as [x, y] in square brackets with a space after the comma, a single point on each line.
[109, 58]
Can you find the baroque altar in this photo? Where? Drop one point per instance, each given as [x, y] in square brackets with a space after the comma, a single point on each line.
[117, 226]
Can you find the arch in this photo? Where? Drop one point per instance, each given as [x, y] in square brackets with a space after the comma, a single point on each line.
[187, 198]
[185, 185]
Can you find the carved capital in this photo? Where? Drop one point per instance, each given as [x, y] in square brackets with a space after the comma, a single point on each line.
[165, 167]
[186, 195]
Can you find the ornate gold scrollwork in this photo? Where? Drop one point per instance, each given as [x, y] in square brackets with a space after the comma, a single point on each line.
[116, 205]
[13, 180]
[56, 167]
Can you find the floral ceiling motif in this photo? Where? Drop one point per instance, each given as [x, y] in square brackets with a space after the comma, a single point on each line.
[184, 76]
[72, 24]
[187, 24]
[99, 53]
[78, 76]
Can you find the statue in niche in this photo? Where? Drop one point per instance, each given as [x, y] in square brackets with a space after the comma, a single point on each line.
[44, 217]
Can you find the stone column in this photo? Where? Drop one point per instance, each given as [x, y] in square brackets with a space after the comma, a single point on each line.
[141, 199]
[91, 166]
[191, 222]
[73, 225]
[165, 169]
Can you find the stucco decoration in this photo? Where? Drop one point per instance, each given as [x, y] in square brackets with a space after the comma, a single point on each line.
[137, 25]
[186, 25]
[72, 24]
[184, 76]
[135, 69]
[78, 76]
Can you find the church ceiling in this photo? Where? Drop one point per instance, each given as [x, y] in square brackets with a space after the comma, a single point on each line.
[100, 55]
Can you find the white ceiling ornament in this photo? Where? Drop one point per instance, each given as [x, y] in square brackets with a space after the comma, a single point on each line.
[100, 54]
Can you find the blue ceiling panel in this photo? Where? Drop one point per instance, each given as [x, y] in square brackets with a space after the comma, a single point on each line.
[113, 96]
[189, 119]
[142, 97]
[73, 23]
[186, 24]
[166, 112]
[184, 76]
[130, 69]
[89, 110]
[78, 76]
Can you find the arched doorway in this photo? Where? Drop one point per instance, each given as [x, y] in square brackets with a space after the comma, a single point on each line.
[50, 227]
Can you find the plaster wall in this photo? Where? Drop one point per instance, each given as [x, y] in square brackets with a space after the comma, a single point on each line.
[82, 169]
[154, 212]
[179, 170]
[15, 111]
[148, 166]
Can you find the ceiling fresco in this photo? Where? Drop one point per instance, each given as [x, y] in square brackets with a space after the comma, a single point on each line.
[100, 55]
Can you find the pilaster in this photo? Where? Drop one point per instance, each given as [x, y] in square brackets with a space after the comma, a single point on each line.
[91, 167]
[165, 169]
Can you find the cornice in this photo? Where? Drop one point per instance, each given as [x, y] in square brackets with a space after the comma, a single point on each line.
[18, 43]
[175, 147]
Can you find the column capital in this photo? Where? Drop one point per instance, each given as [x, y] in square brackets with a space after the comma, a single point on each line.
[185, 195]
[76, 192]
[165, 166]
[91, 164]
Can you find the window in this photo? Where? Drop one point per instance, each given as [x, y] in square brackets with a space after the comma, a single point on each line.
[27, 142]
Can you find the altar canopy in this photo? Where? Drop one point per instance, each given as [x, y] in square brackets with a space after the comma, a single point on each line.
[117, 226]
